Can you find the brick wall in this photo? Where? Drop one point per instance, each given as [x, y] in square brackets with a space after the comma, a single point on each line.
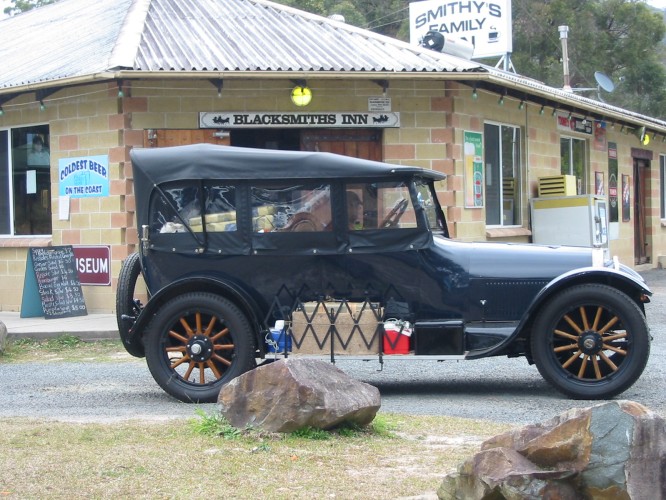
[93, 120]
[83, 121]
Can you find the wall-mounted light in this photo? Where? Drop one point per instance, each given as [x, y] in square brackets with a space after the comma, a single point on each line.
[475, 94]
[570, 115]
[221, 134]
[2, 111]
[42, 106]
[521, 106]
[622, 129]
[121, 94]
[554, 112]
[301, 95]
[542, 110]
[500, 101]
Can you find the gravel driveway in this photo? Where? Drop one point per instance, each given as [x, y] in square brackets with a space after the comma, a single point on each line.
[499, 389]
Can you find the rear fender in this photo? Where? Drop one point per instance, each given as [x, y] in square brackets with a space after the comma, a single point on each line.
[239, 297]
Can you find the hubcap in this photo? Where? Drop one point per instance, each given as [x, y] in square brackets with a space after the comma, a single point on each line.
[200, 348]
[590, 343]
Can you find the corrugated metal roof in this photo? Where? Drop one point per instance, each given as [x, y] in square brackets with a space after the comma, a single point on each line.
[63, 40]
[79, 40]
[252, 35]
[81, 37]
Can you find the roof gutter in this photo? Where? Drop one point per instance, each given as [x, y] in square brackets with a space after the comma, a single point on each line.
[538, 93]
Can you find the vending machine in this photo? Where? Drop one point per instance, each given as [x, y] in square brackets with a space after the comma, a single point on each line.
[580, 220]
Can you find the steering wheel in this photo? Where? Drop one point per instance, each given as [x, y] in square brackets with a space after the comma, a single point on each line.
[392, 218]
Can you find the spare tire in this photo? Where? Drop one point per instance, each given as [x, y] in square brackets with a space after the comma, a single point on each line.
[126, 306]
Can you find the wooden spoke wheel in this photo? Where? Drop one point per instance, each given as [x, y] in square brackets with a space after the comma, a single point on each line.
[591, 342]
[196, 343]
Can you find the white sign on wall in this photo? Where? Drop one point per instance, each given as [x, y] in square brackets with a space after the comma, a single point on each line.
[487, 25]
[270, 119]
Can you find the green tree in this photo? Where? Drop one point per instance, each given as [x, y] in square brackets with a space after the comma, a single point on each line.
[19, 6]
[621, 38]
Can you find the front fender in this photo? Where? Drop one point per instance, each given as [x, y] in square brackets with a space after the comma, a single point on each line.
[631, 285]
[199, 284]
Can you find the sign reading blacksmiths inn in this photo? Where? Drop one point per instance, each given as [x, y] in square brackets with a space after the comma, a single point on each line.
[242, 119]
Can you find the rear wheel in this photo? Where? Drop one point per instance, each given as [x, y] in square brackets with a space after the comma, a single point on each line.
[127, 307]
[196, 343]
[591, 342]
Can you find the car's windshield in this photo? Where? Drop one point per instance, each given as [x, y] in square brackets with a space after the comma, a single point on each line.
[426, 198]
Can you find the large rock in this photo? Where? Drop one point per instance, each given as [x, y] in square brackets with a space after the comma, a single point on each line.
[3, 337]
[291, 394]
[615, 450]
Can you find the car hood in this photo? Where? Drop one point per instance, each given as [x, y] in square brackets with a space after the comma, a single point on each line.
[521, 260]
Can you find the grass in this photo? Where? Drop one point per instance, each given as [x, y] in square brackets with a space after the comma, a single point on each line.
[174, 459]
[63, 348]
[395, 456]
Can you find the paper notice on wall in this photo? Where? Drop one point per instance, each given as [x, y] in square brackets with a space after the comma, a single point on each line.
[30, 181]
[63, 207]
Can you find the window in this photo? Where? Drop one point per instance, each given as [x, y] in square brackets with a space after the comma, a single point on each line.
[572, 154]
[662, 184]
[294, 208]
[175, 206]
[379, 205]
[426, 197]
[503, 167]
[25, 181]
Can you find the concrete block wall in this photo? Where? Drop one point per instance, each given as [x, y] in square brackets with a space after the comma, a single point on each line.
[83, 121]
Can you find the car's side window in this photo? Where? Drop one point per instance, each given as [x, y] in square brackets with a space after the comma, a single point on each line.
[175, 205]
[220, 212]
[291, 208]
[383, 205]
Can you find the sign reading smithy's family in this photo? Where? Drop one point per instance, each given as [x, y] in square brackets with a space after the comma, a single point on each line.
[84, 177]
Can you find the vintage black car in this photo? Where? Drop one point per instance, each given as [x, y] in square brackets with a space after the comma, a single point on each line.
[236, 242]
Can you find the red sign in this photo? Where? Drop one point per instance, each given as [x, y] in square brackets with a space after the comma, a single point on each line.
[93, 264]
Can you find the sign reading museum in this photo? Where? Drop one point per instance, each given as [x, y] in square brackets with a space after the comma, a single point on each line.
[298, 120]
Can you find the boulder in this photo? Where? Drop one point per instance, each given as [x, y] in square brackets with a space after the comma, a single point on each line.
[3, 337]
[614, 450]
[291, 394]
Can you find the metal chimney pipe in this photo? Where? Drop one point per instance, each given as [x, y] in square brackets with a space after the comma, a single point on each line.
[564, 30]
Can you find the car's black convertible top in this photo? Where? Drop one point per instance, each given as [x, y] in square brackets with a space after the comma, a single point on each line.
[208, 161]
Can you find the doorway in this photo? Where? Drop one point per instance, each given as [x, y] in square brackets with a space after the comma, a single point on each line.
[162, 138]
[641, 254]
[359, 143]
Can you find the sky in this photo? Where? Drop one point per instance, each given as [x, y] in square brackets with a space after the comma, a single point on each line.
[659, 4]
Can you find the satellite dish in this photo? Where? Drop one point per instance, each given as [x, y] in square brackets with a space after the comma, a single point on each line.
[604, 81]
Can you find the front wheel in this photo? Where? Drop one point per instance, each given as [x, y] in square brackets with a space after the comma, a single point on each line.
[196, 343]
[591, 342]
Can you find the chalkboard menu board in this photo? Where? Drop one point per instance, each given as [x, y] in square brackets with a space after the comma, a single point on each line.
[56, 282]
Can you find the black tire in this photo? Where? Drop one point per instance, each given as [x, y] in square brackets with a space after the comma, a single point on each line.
[196, 343]
[126, 304]
[591, 342]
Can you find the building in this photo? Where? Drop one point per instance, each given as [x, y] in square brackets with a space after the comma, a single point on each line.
[92, 80]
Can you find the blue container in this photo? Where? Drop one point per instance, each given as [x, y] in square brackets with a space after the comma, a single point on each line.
[280, 337]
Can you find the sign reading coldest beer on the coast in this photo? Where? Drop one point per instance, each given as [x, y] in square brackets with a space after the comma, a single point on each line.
[486, 25]
[84, 177]
[383, 119]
